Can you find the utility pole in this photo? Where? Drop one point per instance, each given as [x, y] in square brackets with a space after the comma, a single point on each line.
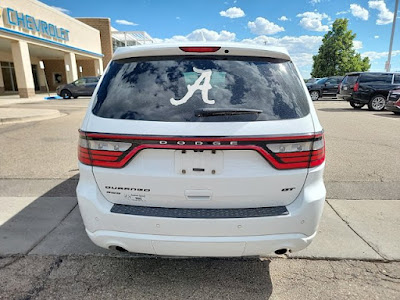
[387, 65]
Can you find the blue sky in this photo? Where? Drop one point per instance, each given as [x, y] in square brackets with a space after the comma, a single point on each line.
[297, 25]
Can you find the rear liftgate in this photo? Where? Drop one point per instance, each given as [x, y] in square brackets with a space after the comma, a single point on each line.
[200, 173]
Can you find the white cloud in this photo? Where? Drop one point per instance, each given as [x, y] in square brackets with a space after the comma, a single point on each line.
[233, 12]
[373, 55]
[300, 48]
[125, 22]
[357, 45]
[344, 12]
[303, 43]
[263, 26]
[198, 34]
[385, 16]
[283, 18]
[315, 1]
[312, 21]
[61, 9]
[359, 12]
[157, 40]
[376, 36]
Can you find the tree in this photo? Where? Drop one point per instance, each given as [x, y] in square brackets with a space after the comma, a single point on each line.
[337, 56]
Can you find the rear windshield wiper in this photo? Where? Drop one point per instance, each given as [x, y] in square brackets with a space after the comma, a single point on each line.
[207, 112]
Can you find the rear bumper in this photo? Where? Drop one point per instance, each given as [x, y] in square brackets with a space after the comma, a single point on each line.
[200, 246]
[343, 97]
[202, 237]
[358, 100]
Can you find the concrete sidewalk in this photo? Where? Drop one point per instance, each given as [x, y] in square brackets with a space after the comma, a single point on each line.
[350, 229]
[20, 115]
[6, 100]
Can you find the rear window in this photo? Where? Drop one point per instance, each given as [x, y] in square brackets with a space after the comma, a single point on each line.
[334, 80]
[350, 79]
[201, 89]
[92, 80]
[322, 80]
[371, 78]
[396, 79]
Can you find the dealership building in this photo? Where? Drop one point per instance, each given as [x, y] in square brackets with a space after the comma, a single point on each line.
[39, 46]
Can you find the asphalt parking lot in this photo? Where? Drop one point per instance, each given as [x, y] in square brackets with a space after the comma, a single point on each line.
[45, 254]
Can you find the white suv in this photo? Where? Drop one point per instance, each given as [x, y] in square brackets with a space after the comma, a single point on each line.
[201, 150]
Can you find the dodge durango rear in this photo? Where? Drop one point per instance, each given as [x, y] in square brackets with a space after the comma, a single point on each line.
[201, 150]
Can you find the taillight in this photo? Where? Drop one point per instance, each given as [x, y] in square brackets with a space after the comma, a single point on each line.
[101, 153]
[299, 154]
[355, 87]
[288, 152]
[397, 103]
[200, 49]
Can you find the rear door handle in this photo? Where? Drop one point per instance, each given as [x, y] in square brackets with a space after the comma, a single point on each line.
[198, 195]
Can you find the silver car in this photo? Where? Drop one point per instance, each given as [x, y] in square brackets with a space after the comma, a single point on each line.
[81, 87]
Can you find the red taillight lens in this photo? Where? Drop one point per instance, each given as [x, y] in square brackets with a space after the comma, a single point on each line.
[318, 152]
[355, 87]
[289, 152]
[101, 153]
[200, 49]
[397, 103]
[299, 154]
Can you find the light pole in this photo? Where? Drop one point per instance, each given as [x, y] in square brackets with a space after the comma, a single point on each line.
[387, 65]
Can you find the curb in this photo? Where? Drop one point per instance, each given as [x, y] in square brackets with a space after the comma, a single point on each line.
[45, 115]
[5, 102]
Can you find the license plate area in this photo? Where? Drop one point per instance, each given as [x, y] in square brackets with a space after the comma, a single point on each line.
[199, 162]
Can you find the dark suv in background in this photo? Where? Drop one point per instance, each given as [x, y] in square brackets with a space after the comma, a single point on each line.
[326, 86]
[371, 88]
[81, 87]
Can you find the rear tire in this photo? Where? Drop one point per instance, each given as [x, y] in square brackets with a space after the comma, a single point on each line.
[377, 103]
[356, 105]
[66, 94]
[314, 95]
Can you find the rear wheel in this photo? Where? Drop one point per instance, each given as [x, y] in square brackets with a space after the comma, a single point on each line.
[66, 94]
[314, 95]
[356, 105]
[377, 103]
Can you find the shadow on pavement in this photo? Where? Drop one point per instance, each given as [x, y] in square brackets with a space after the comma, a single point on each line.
[156, 278]
[339, 109]
[104, 277]
[387, 115]
[40, 216]
[51, 231]
[326, 99]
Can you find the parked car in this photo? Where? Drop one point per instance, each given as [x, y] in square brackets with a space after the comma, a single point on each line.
[368, 88]
[312, 80]
[393, 101]
[81, 87]
[201, 150]
[327, 86]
